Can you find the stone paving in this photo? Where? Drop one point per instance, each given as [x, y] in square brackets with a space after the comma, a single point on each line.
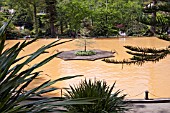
[70, 55]
[149, 108]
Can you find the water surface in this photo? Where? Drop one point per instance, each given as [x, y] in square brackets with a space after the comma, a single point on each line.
[132, 79]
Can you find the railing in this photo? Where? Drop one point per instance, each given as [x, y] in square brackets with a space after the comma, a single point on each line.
[145, 100]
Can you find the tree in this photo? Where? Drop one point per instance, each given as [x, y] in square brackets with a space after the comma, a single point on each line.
[107, 14]
[3, 12]
[14, 79]
[51, 12]
[28, 6]
[83, 40]
[142, 55]
[155, 15]
[67, 15]
[76, 11]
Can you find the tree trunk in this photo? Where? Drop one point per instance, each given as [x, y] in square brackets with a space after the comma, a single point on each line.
[51, 12]
[35, 19]
[85, 45]
[52, 29]
[61, 26]
[153, 27]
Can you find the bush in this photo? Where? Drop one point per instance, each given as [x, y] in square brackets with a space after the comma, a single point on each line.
[85, 53]
[14, 79]
[25, 32]
[105, 103]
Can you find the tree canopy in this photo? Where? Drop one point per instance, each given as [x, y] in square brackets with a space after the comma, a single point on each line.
[68, 15]
[158, 14]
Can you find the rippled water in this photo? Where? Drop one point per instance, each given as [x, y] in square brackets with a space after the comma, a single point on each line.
[132, 79]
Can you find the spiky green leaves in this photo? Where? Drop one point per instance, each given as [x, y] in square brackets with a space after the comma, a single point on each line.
[106, 101]
[14, 79]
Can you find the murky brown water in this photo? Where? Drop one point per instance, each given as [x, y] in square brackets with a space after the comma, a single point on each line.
[133, 80]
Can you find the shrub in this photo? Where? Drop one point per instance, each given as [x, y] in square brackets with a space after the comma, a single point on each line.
[105, 103]
[25, 32]
[14, 79]
[85, 53]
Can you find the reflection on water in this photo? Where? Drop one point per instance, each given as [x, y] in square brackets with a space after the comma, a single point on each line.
[132, 79]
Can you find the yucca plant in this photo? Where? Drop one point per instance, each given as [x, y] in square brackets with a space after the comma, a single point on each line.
[14, 79]
[107, 100]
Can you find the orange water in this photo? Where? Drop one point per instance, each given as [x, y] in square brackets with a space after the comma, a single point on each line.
[132, 79]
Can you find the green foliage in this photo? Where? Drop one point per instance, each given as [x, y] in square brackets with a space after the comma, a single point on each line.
[156, 15]
[26, 32]
[66, 15]
[107, 14]
[14, 79]
[84, 42]
[72, 13]
[142, 55]
[164, 37]
[107, 101]
[2, 18]
[158, 20]
[23, 18]
[5, 15]
[85, 53]
[27, 12]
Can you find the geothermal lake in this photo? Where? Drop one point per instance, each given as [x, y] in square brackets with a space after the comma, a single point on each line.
[132, 79]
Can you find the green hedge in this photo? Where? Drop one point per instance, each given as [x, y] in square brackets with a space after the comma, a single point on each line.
[85, 53]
